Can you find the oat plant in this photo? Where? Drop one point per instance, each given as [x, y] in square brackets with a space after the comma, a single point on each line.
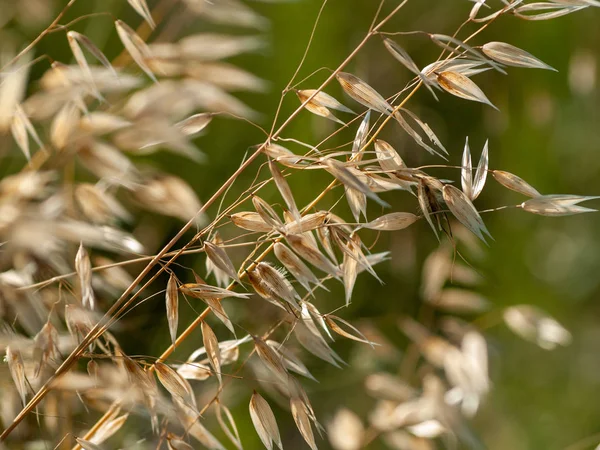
[76, 260]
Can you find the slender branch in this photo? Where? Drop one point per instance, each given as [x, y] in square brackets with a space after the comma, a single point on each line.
[40, 36]
[122, 303]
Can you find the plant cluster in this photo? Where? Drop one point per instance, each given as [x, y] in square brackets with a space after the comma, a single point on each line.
[67, 219]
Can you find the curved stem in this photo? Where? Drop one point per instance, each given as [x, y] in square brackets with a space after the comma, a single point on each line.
[40, 36]
[123, 302]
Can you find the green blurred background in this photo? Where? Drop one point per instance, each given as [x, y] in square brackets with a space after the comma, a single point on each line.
[547, 132]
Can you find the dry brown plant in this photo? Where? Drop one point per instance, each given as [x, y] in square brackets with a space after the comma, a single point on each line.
[61, 301]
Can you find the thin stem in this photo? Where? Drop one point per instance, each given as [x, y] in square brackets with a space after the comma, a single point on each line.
[122, 303]
[40, 36]
[299, 67]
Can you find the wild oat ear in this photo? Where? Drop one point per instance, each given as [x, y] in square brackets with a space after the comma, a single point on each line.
[513, 56]
[301, 417]
[557, 205]
[172, 301]
[320, 104]
[364, 94]
[462, 86]
[514, 183]
[211, 344]
[284, 189]
[141, 7]
[135, 46]
[220, 259]
[295, 266]
[392, 221]
[264, 422]
[84, 272]
[462, 208]
[401, 55]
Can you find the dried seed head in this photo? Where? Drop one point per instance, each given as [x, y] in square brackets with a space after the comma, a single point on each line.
[21, 128]
[206, 291]
[349, 179]
[481, 173]
[355, 334]
[316, 107]
[460, 301]
[264, 422]
[220, 275]
[304, 247]
[135, 46]
[514, 183]
[12, 90]
[225, 76]
[513, 56]
[218, 256]
[284, 189]
[251, 221]
[361, 138]
[290, 360]
[108, 428]
[346, 431]
[309, 337]
[189, 420]
[273, 285]
[46, 351]
[227, 424]
[466, 172]
[271, 360]
[107, 162]
[267, 213]
[64, 126]
[402, 55]
[17, 372]
[462, 208]
[363, 93]
[169, 195]
[557, 205]
[427, 203]
[172, 302]
[301, 417]
[211, 344]
[141, 7]
[79, 321]
[389, 387]
[461, 86]
[98, 123]
[392, 221]
[323, 99]
[283, 156]
[534, 324]
[350, 269]
[295, 265]
[212, 46]
[194, 124]
[175, 383]
[87, 445]
[83, 266]
[307, 223]
[99, 206]
[387, 156]
[357, 201]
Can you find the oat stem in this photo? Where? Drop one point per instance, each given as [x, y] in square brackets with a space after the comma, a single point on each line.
[40, 36]
[123, 303]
